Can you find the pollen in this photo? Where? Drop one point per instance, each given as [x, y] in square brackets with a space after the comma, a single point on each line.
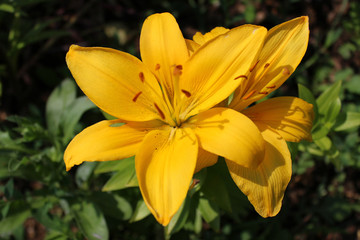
[187, 94]
[253, 67]
[178, 70]
[161, 113]
[264, 92]
[136, 96]
[157, 67]
[267, 65]
[249, 94]
[141, 76]
[241, 76]
[272, 86]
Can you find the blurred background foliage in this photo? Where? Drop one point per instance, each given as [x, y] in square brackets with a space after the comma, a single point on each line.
[42, 109]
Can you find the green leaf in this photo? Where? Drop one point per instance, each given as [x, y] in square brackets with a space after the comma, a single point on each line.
[215, 189]
[306, 94]
[59, 100]
[73, 115]
[324, 143]
[179, 219]
[19, 211]
[84, 172]
[110, 166]
[330, 95]
[125, 176]
[141, 211]
[90, 220]
[210, 213]
[7, 8]
[347, 121]
[353, 85]
[332, 36]
[113, 205]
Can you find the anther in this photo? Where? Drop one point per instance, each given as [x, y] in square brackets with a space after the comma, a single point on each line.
[178, 70]
[249, 94]
[141, 76]
[267, 65]
[253, 67]
[241, 76]
[136, 96]
[272, 86]
[161, 113]
[286, 71]
[264, 92]
[187, 94]
[157, 67]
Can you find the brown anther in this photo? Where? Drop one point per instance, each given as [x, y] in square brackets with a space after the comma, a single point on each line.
[136, 96]
[161, 113]
[286, 71]
[178, 70]
[141, 76]
[187, 94]
[267, 65]
[157, 67]
[241, 76]
[264, 92]
[272, 86]
[249, 94]
[253, 67]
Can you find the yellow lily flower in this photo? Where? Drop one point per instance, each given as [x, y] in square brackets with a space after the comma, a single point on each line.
[279, 119]
[166, 101]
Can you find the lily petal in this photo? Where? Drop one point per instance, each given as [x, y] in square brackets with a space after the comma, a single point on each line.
[216, 69]
[116, 82]
[284, 47]
[205, 159]
[230, 134]
[165, 165]
[162, 47]
[192, 46]
[265, 185]
[105, 142]
[291, 117]
[201, 39]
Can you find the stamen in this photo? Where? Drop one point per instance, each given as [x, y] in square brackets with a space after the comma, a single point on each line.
[267, 65]
[178, 70]
[157, 67]
[249, 94]
[142, 77]
[252, 68]
[136, 96]
[161, 113]
[272, 86]
[187, 94]
[241, 76]
[264, 92]
[286, 71]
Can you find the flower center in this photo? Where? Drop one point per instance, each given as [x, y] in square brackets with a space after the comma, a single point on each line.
[173, 99]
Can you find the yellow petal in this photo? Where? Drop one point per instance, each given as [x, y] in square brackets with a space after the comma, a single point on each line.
[104, 141]
[165, 165]
[217, 68]
[205, 159]
[116, 82]
[230, 134]
[162, 47]
[291, 117]
[192, 46]
[265, 186]
[201, 39]
[284, 47]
